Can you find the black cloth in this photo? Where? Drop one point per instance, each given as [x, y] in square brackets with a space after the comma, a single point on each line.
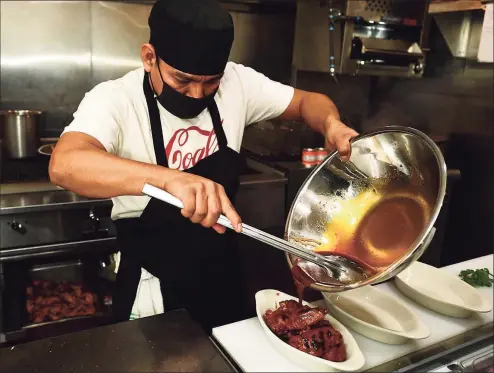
[193, 36]
[199, 269]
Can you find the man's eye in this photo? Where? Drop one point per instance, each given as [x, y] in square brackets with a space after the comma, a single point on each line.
[213, 83]
[181, 81]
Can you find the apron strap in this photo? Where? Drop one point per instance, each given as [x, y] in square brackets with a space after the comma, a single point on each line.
[217, 125]
[154, 117]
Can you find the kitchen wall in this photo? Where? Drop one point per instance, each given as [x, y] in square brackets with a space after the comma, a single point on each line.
[53, 52]
[454, 97]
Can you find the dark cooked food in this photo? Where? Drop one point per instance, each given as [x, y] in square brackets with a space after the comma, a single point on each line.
[290, 315]
[50, 301]
[305, 328]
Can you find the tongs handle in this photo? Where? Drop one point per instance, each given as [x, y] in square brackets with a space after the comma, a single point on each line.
[164, 196]
[255, 233]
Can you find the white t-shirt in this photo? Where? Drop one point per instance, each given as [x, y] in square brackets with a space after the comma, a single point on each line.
[115, 113]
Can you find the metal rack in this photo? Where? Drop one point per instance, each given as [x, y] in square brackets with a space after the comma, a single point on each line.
[456, 5]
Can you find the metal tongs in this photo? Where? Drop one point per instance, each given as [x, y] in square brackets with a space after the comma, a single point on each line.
[255, 233]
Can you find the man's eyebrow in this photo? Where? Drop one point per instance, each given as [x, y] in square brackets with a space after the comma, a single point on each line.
[213, 78]
[184, 76]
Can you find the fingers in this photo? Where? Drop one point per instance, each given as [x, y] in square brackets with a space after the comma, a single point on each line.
[201, 210]
[218, 203]
[328, 145]
[219, 228]
[338, 137]
[343, 144]
[204, 201]
[189, 202]
[213, 206]
[230, 212]
[343, 147]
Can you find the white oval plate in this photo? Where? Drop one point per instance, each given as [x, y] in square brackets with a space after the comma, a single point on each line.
[441, 291]
[269, 300]
[376, 315]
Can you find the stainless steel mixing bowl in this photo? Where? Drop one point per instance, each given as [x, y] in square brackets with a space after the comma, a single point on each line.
[378, 209]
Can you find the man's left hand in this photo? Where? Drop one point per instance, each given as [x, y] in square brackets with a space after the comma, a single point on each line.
[338, 136]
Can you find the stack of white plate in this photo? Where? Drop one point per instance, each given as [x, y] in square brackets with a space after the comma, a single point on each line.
[441, 291]
[376, 315]
[384, 318]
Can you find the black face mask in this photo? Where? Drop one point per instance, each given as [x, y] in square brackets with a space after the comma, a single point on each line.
[182, 106]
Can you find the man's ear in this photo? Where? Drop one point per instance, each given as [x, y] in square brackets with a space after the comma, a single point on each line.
[148, 56]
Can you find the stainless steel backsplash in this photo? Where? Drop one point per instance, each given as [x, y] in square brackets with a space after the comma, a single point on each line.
[53, 52]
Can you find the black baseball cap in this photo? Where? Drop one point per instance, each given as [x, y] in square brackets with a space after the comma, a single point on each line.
[193, 36]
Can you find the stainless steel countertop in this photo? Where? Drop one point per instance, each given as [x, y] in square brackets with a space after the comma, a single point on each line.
[167, 342]
[45, 196]
[45, 201]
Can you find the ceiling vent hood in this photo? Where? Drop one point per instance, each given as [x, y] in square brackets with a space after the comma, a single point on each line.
[461, 31]
[445, 6]
[461, 25]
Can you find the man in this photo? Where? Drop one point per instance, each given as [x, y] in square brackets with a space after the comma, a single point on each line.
[177, 123]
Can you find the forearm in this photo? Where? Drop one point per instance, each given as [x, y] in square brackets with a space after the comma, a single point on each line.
[317, 111]
[93, 172]
[321, 114]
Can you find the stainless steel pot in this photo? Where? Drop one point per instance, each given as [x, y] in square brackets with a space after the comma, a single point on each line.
[378, 209]
[20, 129]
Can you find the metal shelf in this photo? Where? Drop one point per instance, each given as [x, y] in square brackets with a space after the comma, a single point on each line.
[455, 6]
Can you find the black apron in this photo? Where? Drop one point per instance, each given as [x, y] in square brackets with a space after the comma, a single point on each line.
[199, 269]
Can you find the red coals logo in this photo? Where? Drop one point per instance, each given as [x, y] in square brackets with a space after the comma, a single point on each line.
[189, 145]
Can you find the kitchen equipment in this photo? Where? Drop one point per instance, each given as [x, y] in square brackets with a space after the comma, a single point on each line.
[23, 171]
[296, 174]
[362, 37]
[61, 237]
[21, 132]
[450, 295]
[348, 271]
[269, 300]
[383, 216]
[61, 274]
[376, 315]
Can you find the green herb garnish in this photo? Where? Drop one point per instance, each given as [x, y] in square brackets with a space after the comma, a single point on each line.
[477, 277]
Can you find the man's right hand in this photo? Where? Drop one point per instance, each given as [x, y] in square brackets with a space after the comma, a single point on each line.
[204, 200]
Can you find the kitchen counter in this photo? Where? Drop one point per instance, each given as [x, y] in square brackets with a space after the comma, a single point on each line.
[162, 343]
[47, 200]
[24, 197]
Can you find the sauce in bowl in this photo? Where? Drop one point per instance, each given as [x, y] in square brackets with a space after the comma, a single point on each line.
[374, 230]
